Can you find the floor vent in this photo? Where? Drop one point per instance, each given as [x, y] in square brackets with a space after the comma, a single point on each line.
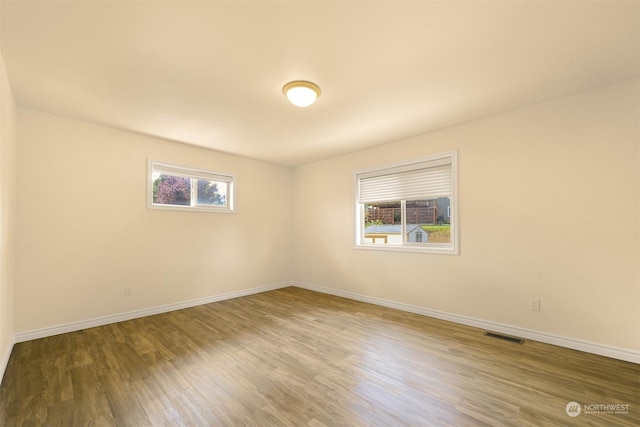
[505, 337]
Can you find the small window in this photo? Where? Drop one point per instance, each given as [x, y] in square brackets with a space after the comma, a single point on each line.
[182, 188]
[409, 206]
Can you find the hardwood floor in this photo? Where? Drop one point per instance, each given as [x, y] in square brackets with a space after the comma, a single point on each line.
[295, 357]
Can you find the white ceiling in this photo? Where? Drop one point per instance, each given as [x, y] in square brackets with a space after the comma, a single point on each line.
[210, 73]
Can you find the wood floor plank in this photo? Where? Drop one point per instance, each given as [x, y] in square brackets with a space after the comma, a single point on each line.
[293, 357]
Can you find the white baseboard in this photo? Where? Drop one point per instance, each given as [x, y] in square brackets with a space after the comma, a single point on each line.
[105, 320]
[572, 343]
[5, 358]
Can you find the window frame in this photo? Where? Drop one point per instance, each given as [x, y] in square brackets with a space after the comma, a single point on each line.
[194, 174]
[451, 248]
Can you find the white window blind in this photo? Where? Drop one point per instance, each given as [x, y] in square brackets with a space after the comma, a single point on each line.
[416, 181]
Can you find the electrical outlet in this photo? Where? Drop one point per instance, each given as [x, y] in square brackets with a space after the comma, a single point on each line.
[128, 292]
[534, 304]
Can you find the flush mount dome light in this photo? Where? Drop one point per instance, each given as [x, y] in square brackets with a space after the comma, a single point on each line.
[301, 93]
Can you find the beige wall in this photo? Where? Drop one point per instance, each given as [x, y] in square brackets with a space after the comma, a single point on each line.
[7, 214]
[549, 209]
[85, 233]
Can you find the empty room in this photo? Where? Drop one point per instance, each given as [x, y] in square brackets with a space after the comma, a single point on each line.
[319, 213]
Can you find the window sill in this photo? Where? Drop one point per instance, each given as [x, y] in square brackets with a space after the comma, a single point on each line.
[190, 209]
[416, 249]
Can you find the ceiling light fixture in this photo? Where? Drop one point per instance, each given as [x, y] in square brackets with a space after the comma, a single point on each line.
[301, 93]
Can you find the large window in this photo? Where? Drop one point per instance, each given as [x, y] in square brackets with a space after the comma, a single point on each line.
[182, 188]
[409, 206]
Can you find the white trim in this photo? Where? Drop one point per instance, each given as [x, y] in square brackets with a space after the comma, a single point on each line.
[5, 358]
[572, 343]
[192, 173]
[191, 208]
[407, 248]
[106, 320]
[176, 170]
[452, 248]
[405, 163]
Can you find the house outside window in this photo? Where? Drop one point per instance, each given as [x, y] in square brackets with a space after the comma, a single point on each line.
[409, 206]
